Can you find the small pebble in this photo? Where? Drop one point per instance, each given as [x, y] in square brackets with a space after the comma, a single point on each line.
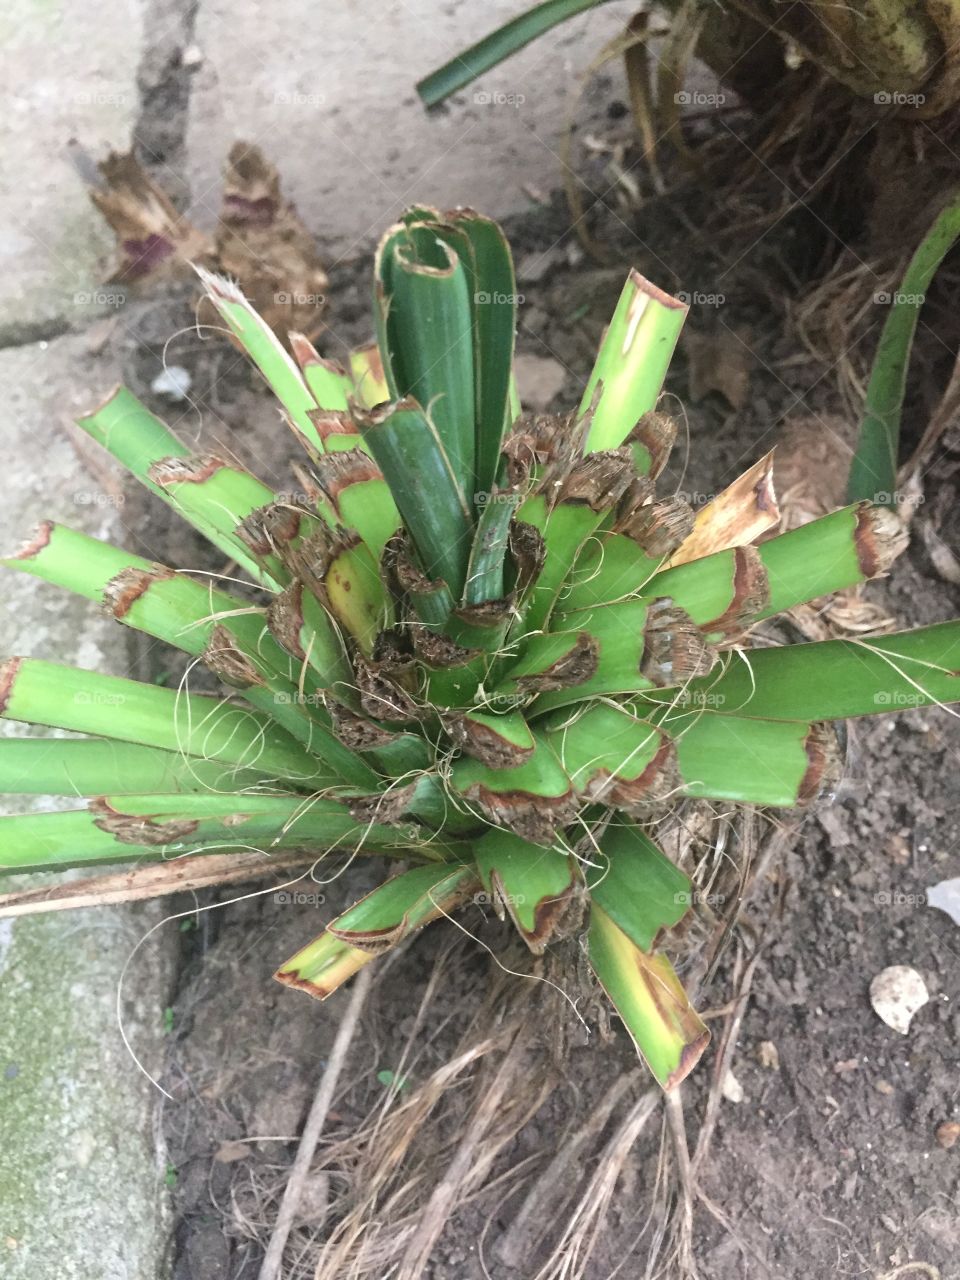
[174, 382]
[768, 1055]
[896, 994]
[948, 1134]
[732, 1089]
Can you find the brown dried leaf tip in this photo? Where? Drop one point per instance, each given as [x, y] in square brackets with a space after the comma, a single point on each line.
[262, 243]
[153, 239]
[260, 240]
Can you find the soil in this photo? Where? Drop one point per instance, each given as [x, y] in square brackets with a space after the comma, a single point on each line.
[829, 1165]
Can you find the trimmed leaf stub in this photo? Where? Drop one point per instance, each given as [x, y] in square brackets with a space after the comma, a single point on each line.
[540, 889]
[650, 999]
[376, 923]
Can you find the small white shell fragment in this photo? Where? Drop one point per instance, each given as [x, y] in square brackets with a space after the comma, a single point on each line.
[731, 1088]
[896, 994]
[173, 382]
[946, 896]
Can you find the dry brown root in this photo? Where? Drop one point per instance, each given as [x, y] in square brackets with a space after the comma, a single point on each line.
[157, 880]
[410, 1170]
[556, 1186]
[393, 1187]
[571, 1254]
[293, 1192]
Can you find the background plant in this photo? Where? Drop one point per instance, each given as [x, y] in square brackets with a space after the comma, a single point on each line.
[890, 51]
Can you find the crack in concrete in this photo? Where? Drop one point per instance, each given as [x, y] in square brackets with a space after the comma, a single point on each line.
[29, 333]
[163, 84]
[159, 133]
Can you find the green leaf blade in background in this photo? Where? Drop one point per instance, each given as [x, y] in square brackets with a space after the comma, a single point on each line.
[494, 48]
[873, 472]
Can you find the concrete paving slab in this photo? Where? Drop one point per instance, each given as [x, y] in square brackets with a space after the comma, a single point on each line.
[328, 93]
[69, 73]
[82, 1194]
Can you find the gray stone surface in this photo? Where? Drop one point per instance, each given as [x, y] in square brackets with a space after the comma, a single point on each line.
[81, 1180]
[329, 94]
[69, 72]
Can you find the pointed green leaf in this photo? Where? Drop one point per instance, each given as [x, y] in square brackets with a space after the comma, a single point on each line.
[265, 350]
[650, 999]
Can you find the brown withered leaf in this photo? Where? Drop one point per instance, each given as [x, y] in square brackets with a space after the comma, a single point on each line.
[737, 516]
[153, 239]
[719, 361]
[262, 243]
[260, 240]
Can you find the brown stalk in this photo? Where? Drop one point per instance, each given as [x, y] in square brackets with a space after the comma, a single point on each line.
[153, 880]
[273, 1259]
